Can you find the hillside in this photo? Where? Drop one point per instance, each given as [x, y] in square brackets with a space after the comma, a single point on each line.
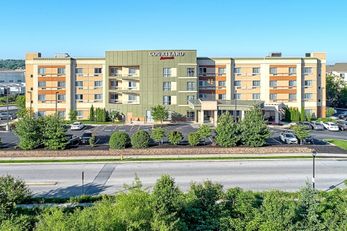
[12, 64]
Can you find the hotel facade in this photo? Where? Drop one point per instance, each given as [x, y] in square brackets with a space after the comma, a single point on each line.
[192, 88]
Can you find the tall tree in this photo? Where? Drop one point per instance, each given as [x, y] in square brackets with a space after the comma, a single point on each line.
[228, 132]
[159, 113]
[91, 113]
[54, 133]
[336, 90]
[29, 132]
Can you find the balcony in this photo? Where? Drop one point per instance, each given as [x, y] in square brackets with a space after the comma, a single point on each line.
[115, 101]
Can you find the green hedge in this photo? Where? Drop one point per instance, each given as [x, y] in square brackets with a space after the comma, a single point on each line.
[140, 139]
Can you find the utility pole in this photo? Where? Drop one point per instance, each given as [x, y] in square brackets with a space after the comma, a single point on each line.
[56, 103]
[314, 154]
[235, 111]
[7, 108]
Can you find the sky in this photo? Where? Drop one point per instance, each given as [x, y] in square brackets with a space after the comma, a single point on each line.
[216, 28]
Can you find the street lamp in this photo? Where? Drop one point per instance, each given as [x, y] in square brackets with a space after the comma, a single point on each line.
[31, 100]
[235, 99]
[56, 103]
[314, 154]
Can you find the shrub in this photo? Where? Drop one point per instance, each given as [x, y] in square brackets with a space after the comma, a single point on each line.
[194, 138]
[140, 139]
[29, 131]
[73, 115]
[330, 111]
[53, 132]
[204, 132]
[300, 132]
[119, 140]
[158, 134]
[92, 141]
[228, 132]
[175, 137]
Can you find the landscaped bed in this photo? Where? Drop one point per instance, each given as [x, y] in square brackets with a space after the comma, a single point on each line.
[339, 143]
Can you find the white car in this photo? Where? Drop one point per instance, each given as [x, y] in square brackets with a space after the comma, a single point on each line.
[77, 126]
[330, 126]
[288, 138]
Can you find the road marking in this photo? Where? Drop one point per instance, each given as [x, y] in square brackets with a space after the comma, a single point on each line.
[41, 183]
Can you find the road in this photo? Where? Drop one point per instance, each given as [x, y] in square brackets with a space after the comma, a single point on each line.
[64, 179]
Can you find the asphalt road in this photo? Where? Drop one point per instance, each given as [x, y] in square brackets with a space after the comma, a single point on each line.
[65, 179]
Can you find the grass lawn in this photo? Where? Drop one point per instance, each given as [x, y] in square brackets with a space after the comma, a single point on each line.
[339, 143]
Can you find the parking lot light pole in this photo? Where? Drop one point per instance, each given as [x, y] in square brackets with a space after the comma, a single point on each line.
[7, 108]
[314, 154]
[56, 103]
[235, 112]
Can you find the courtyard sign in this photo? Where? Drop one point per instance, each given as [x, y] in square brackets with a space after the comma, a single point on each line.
[167, 53]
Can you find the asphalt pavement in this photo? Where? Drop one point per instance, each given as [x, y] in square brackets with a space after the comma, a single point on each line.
[65, 179]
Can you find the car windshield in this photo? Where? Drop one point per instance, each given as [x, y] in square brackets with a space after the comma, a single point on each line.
[76, 123]
[87, 135]
[289, 135]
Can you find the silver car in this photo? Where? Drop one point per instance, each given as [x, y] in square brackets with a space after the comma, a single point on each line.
[317, 126]
[7, 116]
[288, 138]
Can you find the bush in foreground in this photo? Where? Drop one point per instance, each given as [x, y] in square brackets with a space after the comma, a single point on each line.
[119, 140]
[158, 134]
[175, 137]
[140, 139]
[193, 138]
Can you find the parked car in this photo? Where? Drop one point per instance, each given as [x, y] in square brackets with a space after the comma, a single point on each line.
[7, 116]
[330, 126]
[342, 124]
[77, 126]
[308, 140]
[306, 125]
[316, 126]
[288, 138]
[72, 141]
[84, 139]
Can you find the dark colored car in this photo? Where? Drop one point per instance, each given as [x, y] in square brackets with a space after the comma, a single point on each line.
[84, 139]
[72, 141]
[308, 140]
[342, 125]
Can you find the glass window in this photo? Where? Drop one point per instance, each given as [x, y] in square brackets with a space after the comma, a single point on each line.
[115, 71]
[273, 83]
[190, 98]
[131, 84]
[79, 71]
[42, 71]
[237, 70]
[256, 96]
[292, 97]
[97, 83]
[61, 97]
[273, 97]
[307, 70]
[237, 96]
[222, 96]
[61, 71]
[61, 84]
[41, 97]
[307, 96]
[98, 97]
[11, 81]
[79, 83]
[166, 86]
[131, 97]
[41, 113]
[256, 83]
[190, 72]
[79, 113]
[166, 72]
[273, 70]
[19, 81]
[97, 70]
[191, 86]
[292, 83]
[42, 84]
[221, 71]
[61, 114]
[237, 83]
[202, 70]
[308, 83]
[255, 70]
[166, 100]
[292, 71]
[132, 71]
[221, 83]
[79, 97]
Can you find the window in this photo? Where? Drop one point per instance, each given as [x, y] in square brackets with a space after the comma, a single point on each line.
[307, 70]
[61, 71]
[98, 97]
[41, 84]
[292, 97]
[237, 96]
[61, 84]
[97, 83]
[131, 85]
[237, 83]
[292, 83]
[79, 113]
[40, 113]
[221, 71]
[202, 96]
[256, 83]
[42, 71]
[97, 71]
[79, 97]
[202, 70]
[41, 97]
[11, 81]
[256, 96]
[132, 71]
[307, 96]
[273, 97]
[190, 114]
[222, 96]
[61, 97]
[292, 71]
[273, 70]
[237, 70]
[19, 81]
[308, 83]
[221, 83]
[61, 114]
[115, 71]
[113, 84]
[190, 98]
[255, 71]
[131, 98]
[273, 83]
[167, 72]
[308, 112]
[191, 86]
[79, 84]
[166, 86]
[166, 100]
[190, 72]
[79, 71]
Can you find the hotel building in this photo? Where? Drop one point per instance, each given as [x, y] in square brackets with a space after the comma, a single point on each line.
[193, 88]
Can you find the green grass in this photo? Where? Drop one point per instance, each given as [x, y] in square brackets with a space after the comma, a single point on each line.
[339, 143]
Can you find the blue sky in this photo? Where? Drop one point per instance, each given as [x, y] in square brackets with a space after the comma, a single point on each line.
[215, 28]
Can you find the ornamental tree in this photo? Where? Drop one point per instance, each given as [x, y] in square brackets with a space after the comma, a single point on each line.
[301, 132]
[29, 131]
[228, 132]
[54, 133]
[159, 113]
[158, 134]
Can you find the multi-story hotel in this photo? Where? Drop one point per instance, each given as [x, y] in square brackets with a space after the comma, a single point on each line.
[193, 88]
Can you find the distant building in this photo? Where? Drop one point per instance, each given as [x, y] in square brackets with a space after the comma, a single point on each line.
[14, 80]
[339, 69]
